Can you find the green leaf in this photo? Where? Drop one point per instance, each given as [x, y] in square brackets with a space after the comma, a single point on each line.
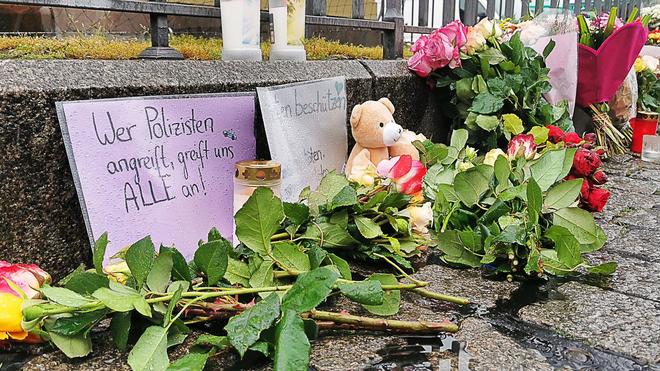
[117, 301]
[329, 235]
[488, 122]
[291, 256]
[342, 266]
[548, 168]
[219, 342]
[150, 351]
[193, 361]
[600, 240]
[459, 138]
[214, 235]
[486, 103]
[450, 243]
[140, 258]
[494, 212]
[512, 124]
[180, 269]
[567, 247]
[263, 276]
[367, 227]
[364, 292]
[244, 329]
[237, 272]
[579, 222]
[494, 56]
[297, 213]
[85, 283]
[316, 256]
[464, 90]
[258, 220]
[471, 184]
[391, 298]
[562, 195]
[310, 289]
[329, 187]
[548, 48]
[72, 346]
[212, 259]
[534, 201]
[512, 233]
[346, 197]
[502, 170]
[262, 347]
[552, 264]
[568, 162]
[540, 134]
[605, 268]
[172, 304]
[120, 327]
[99, 252]
[79, 322]
[159, 277]
[291, 344]
[64, 296]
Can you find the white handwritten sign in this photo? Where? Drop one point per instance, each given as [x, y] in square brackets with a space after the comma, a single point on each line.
[306, 128]
[159, 166]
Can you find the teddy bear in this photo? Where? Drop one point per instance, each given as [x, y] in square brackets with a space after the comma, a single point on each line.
[377, 136]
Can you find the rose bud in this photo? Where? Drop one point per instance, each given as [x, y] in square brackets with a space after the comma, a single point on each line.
[599, 177]
[522, 145]
[586, 187]
[585, 162]
[590, 137]
[554, 133]
[597, 199]
[571, 138]
[28, 277]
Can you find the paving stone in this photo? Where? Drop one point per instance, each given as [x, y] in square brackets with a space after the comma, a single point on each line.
[490, 350]
[611, 320]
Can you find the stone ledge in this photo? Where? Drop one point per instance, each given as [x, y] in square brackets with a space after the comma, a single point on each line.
[42, 222]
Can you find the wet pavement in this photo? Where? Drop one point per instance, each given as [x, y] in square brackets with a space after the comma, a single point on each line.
[578, 323]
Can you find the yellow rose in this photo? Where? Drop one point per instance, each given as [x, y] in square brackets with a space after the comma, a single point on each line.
[11, 317]
[639, 65]
[492, 156]
[420, 217]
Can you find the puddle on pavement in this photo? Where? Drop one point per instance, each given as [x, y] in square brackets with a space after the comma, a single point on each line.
[423, 352]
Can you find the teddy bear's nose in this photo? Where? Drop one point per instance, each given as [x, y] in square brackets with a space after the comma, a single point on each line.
[399, 130]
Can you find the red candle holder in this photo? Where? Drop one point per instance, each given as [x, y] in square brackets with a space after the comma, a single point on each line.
[646, 123]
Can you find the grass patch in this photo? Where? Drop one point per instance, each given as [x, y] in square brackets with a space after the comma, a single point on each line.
[194, 48]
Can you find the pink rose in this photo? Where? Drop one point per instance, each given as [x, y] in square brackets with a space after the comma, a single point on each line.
[420, 64]
[522, 145]
[439, 50]
[420, 44]
[456, 32]
[406, 173]
[28, 277]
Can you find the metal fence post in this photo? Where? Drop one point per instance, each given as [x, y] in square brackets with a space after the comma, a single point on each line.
[160, 39]
[393, 39]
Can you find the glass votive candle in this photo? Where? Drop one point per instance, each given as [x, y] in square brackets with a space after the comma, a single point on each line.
[651, 148]
[288, 29]
[253, 174]
[240, 30]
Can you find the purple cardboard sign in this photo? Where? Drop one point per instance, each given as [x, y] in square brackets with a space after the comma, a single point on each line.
[159, 166]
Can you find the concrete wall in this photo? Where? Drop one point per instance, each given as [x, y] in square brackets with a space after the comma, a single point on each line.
[40, 218]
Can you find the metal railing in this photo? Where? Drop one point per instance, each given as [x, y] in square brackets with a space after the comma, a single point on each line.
[392, 23]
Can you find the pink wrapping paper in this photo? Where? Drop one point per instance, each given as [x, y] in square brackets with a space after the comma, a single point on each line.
[601, 72]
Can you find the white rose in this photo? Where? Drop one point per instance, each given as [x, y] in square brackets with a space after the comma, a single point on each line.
[464, 166]
[492, 156]
[475, 42]
[531, 33]
[421, 217]
[651, 62]
[488, 28]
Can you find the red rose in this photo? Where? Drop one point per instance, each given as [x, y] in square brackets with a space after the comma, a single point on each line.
[599, 177]
[585, 163]
[571, 138]
[586, 187]
[590, 137]
[597, 199]
[554, 133]
[600, 151]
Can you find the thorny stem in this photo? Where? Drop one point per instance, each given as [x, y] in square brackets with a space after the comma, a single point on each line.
[421, 283]
[381, 324]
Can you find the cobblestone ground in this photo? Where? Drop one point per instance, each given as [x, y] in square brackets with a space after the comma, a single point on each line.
[579, 323]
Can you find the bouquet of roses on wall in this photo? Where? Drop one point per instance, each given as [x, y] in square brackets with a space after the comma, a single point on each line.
[492, 87]
[648, 84]
[513, 213]
[607, 50]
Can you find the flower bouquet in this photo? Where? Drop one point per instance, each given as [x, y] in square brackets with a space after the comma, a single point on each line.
[607, 51]
[514, 213]
[490, 86]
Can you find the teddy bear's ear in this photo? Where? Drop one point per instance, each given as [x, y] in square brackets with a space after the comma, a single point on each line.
[387, 103]
[355, 115]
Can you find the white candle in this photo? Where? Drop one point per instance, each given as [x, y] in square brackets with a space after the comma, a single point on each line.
[279, 25]
[232, 23]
